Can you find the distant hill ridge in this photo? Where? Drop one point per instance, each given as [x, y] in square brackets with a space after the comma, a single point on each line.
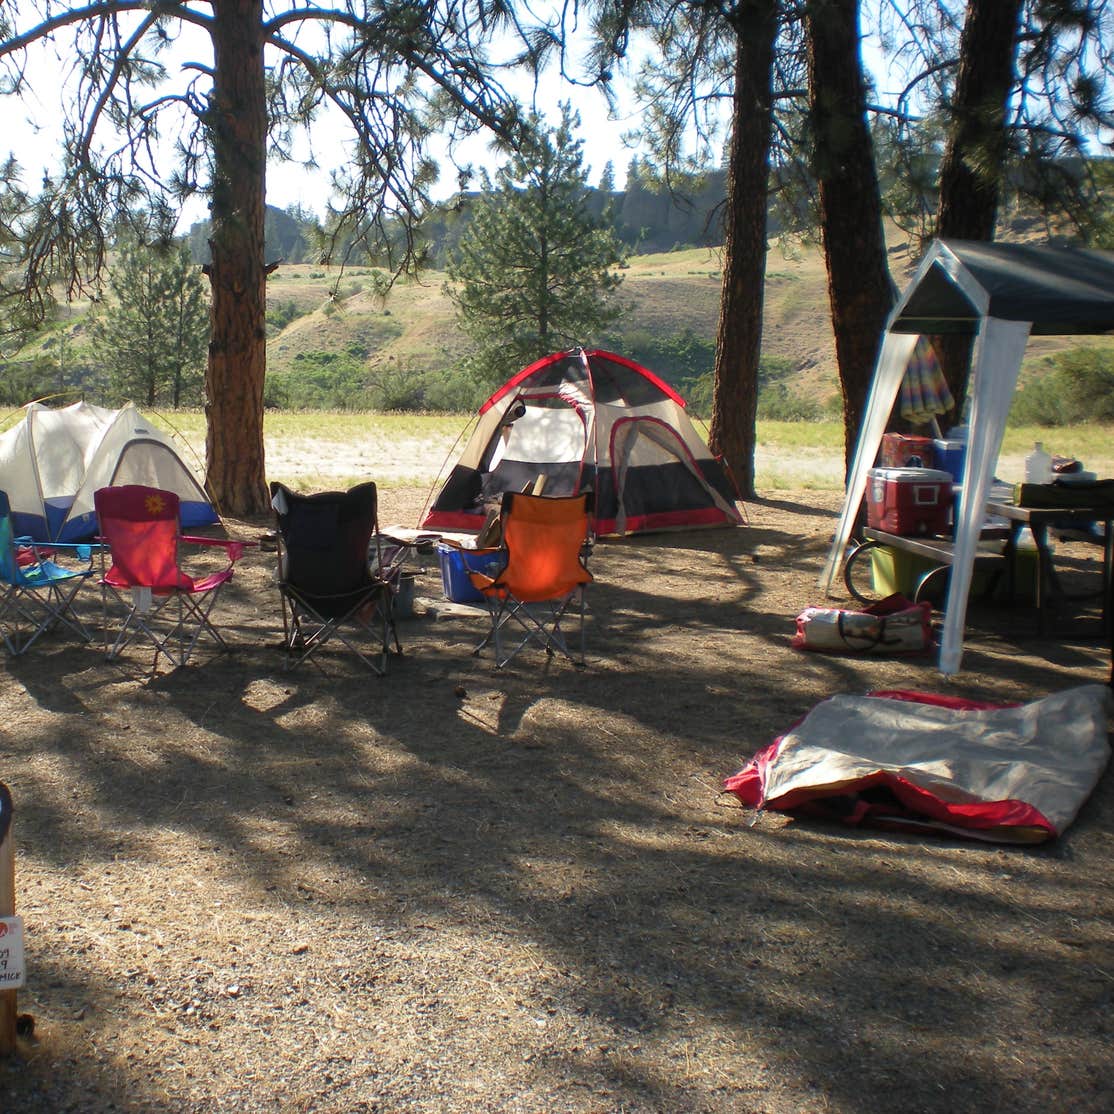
[647, 218]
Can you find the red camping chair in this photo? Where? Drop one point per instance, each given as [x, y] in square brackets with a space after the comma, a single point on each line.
[546, 539]
[161, 601]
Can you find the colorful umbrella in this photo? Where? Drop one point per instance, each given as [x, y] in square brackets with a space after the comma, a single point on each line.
[924, 390]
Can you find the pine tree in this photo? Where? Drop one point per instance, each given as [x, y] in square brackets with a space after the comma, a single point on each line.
[534, 270]
[152, 337]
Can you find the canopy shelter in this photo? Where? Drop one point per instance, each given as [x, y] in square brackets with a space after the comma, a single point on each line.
[1002, 294]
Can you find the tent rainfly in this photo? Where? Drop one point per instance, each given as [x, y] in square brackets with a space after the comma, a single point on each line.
[53, 461]
[1001, 293]
[590, 421]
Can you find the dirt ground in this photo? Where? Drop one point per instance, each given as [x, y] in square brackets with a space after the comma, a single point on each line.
[457, 889]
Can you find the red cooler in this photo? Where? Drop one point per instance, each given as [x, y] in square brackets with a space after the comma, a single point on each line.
[908, 501]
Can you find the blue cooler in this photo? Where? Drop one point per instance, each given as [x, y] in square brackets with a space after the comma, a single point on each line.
[950, 454]
[456, 565]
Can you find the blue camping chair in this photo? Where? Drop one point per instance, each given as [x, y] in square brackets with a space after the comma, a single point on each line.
[38, 584]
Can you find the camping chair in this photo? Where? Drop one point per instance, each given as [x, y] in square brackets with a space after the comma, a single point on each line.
[162, 603]
[546, 539]
[335, 579]
[38, 584]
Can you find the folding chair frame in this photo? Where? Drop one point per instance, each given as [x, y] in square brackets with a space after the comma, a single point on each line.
[162, 604]
[538, 621]
[364, 609]
[35, 589]
[42, 595]
[182, 611]
[545, 632]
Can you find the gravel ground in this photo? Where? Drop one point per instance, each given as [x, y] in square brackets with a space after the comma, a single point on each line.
[456, 889]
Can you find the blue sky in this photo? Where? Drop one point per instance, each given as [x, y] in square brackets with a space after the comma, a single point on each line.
[32, 134]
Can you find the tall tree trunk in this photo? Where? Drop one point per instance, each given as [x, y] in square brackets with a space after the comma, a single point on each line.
[739, 337]
[860, 292]
[237, 346]
[975, 153]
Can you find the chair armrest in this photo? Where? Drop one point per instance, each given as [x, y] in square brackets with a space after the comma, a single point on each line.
[235, 549]
[30, 551]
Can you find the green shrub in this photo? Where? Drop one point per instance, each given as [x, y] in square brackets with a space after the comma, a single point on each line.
[1078, 386]
[776, 403]
[280, 315]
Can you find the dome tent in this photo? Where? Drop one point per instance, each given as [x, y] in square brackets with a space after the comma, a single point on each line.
[590, 421]
[53, 461]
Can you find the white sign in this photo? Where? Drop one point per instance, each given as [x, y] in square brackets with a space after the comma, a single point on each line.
[11, 953]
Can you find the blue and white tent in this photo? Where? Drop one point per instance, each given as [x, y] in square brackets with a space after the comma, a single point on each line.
[53, 461]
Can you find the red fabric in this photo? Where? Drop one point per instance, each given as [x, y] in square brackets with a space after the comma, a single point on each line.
[454, 520]
[940, 700]
[666, 520]
[545, 361]
[662, 520]
[140, 525]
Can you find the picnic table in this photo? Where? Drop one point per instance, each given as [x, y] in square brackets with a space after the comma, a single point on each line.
[997, 550]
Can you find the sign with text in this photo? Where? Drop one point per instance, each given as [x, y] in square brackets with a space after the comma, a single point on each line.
[11, 953]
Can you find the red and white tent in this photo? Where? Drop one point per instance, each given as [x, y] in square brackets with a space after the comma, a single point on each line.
[590, 421]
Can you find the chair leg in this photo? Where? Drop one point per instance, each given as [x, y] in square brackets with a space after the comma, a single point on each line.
[307, 631]
[181, 621]
[55, 608]
[545, 631]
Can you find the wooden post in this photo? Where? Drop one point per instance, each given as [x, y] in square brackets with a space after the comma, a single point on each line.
[7, 909]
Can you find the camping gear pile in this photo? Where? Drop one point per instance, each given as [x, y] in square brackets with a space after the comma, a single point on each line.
[1000, 294]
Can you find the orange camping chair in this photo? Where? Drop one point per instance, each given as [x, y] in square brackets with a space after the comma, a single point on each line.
[546, 539]
[161, 601]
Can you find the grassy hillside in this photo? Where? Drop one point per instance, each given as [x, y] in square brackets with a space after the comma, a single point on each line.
[413, 325]
[327, 326]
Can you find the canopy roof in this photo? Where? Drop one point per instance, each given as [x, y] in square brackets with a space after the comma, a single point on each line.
[1059, 290]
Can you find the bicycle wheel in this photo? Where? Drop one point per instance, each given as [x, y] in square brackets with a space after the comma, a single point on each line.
[858, 573]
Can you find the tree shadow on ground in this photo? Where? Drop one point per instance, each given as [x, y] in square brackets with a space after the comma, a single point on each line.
[529, 877]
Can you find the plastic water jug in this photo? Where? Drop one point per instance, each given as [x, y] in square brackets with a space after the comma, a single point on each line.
[1038, 466]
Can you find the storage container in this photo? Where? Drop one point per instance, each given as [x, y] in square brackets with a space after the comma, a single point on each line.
[895, 570]
[950, 455]
[902, 451]
[457, 563]
[909, 501]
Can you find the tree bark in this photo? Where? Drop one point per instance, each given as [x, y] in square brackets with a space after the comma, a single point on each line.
[732, 432]
[860, 291]
[237, 346]
[975, 152]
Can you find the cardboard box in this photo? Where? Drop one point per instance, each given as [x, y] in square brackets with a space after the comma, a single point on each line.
[900, 450]
[457, 563]
[909, 501]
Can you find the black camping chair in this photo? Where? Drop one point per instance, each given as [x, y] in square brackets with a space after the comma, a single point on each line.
[332, 576]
